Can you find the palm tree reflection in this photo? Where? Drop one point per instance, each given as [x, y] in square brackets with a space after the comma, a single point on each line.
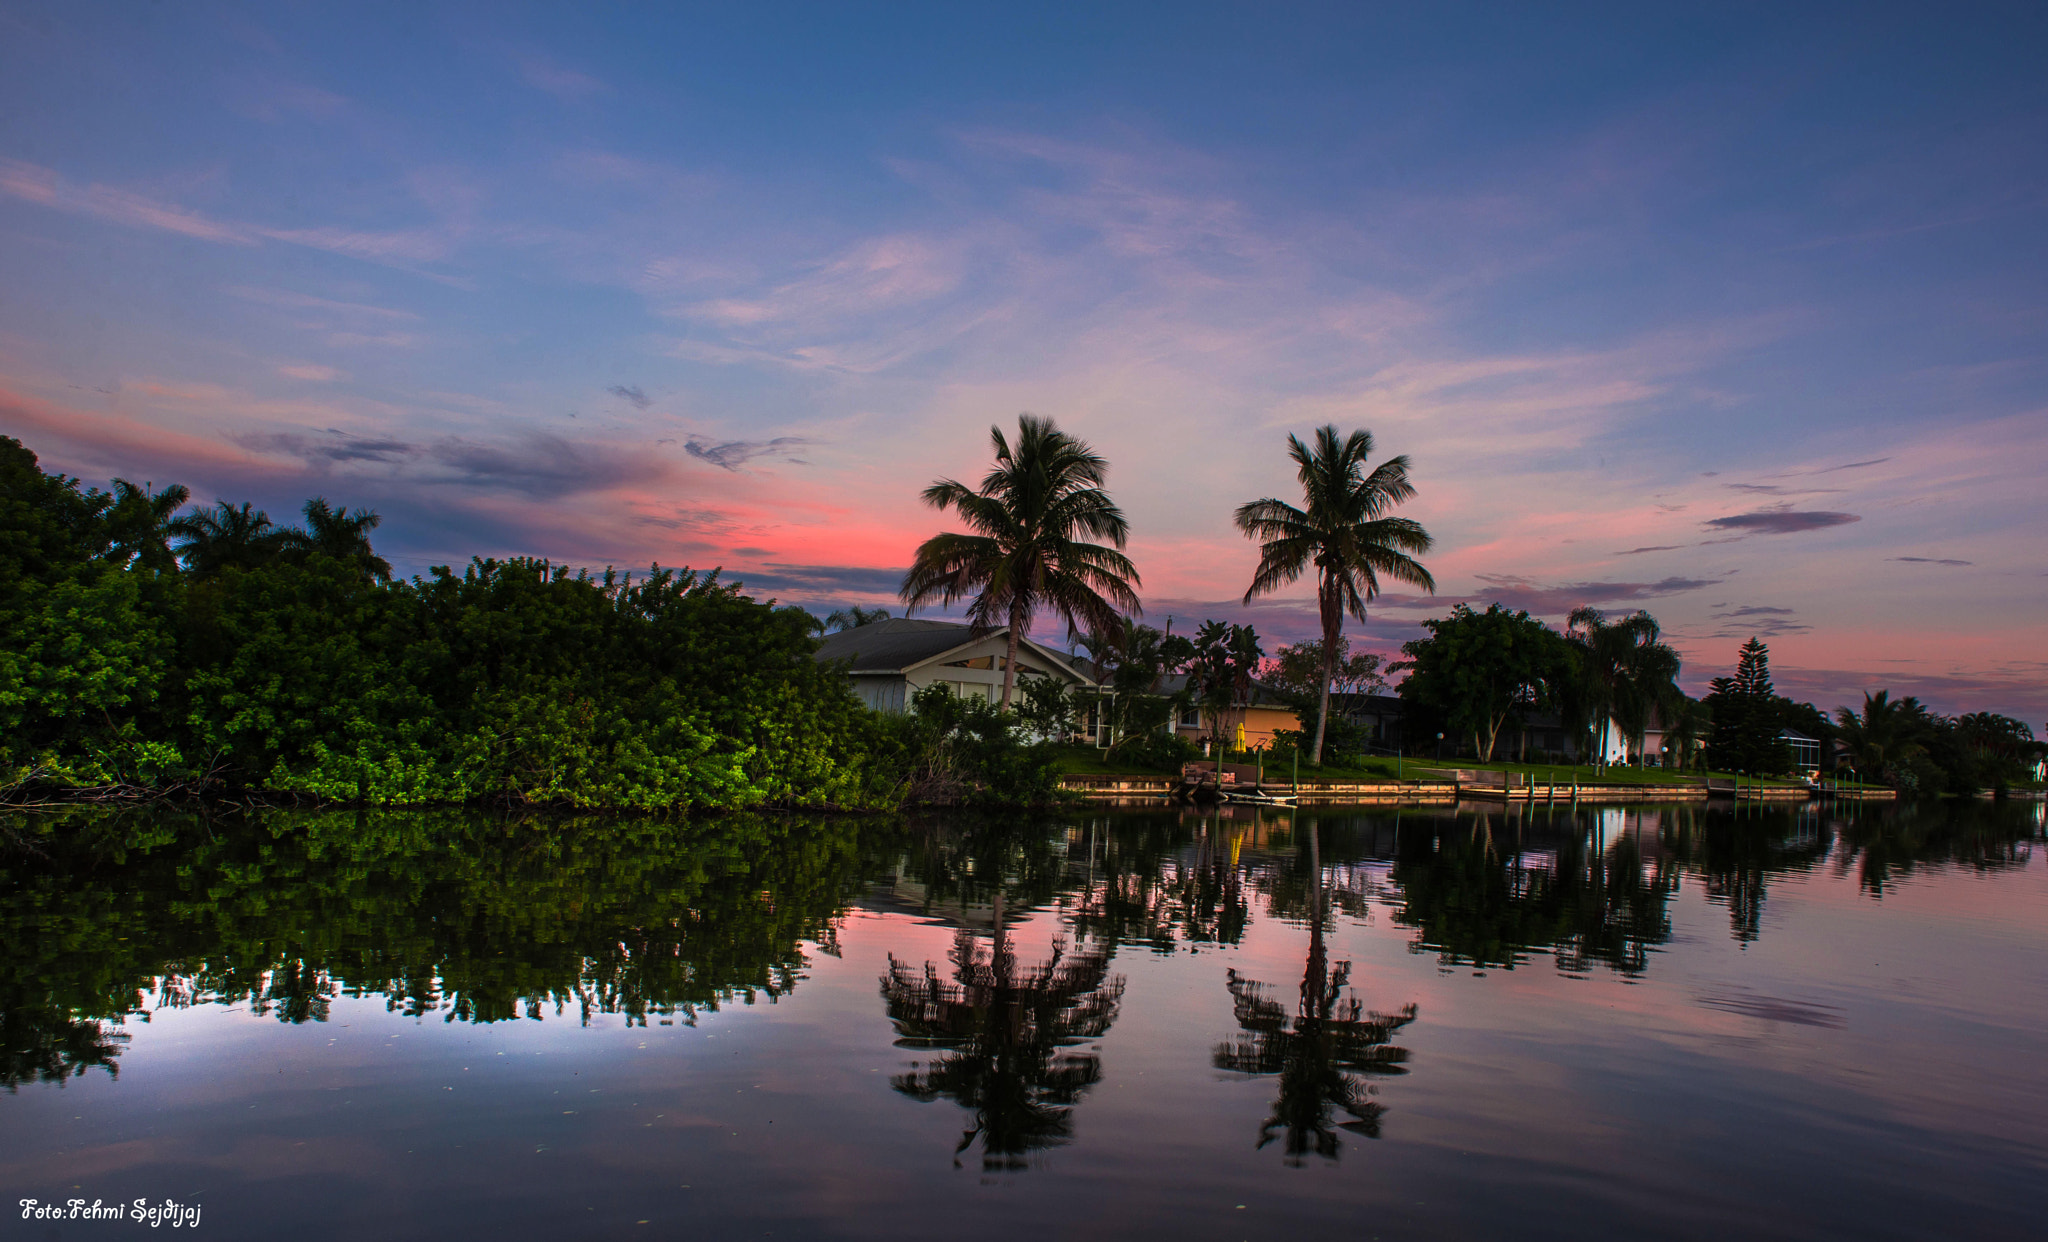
[1006, 1032]
[1325, 1056]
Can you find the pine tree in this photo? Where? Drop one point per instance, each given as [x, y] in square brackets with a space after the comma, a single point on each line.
[1748, 735]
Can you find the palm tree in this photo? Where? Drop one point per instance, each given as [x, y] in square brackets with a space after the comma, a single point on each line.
[853, 616]
[339, 535]
[1029, 518]
[143, 522]
[225, 537]
[1343, 532]
[1886, 734]
[1626, 674]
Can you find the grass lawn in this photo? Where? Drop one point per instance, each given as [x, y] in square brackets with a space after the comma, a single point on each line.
[1586, 774]
[1086, 760]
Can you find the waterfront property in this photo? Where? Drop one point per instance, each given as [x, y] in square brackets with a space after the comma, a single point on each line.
[888, 661]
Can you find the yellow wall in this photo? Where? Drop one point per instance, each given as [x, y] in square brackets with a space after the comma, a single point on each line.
[1259, 723]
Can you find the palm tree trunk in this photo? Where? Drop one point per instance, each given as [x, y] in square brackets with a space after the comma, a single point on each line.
[1333, 621]
[1010, 662]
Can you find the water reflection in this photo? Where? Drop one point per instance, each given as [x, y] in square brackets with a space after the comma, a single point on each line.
[1487, 894]
[1008, 1034]
[1325, 1054]
[108, 918]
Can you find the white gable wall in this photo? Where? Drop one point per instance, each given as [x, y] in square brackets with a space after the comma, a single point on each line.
[985, 681]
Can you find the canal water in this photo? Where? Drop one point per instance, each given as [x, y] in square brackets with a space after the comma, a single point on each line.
[1682, 1022]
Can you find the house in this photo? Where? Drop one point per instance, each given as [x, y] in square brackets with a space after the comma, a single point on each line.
[1247, 726]
[889, 661]
[1805, 751]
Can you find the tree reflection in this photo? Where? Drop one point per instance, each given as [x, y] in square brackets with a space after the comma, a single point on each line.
[1324, 1055]
[1146, 883]
[41, 1045]
[480, 919]
[1007, 1032]
[1487, 897]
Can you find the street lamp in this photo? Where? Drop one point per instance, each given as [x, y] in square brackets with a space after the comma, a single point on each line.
[1439, 747]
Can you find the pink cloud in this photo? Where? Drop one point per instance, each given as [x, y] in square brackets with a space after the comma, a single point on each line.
[43, 186]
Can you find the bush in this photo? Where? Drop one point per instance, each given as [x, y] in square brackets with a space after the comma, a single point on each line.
[1158, 751]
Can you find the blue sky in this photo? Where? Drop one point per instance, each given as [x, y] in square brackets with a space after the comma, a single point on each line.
[1733, 313]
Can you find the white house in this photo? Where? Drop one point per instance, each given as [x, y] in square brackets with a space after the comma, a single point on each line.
[889, 661]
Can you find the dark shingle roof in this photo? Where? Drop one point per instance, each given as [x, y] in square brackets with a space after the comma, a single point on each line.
[894, 645]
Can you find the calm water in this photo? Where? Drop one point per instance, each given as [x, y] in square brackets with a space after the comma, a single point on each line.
[1659, 1022]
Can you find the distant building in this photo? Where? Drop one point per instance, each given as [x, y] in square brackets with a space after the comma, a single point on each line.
[1805, 750]
[1248, 726]
[889, 661]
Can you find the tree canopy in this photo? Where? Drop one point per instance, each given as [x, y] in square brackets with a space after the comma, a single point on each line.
[1343, 531]
[1031, 521]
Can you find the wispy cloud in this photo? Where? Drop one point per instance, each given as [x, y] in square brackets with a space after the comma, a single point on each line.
[732, 454]
[328, 447]
[1929, 560]
[631, 394]
[44, 186]
[1781, 521]
[544, 466]
[826, 581]
[568, 85]
[306, 301]
[311, 372]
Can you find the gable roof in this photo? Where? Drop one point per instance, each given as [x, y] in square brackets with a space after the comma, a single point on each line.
[902, 643]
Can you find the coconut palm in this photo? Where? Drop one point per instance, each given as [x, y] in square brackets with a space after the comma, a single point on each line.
[1029, 518]
[1887, 734]
[226, 537]
[1626, 674]
[1343, 532]
[143, 523]
[339, 535]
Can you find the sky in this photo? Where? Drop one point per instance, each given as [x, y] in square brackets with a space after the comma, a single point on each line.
[1735, 313]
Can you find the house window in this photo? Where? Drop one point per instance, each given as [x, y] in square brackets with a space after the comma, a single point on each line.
[1191, 718]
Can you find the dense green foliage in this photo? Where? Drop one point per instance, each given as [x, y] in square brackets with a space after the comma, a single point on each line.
[1478, 672]
[1902, 743]
[287, 661]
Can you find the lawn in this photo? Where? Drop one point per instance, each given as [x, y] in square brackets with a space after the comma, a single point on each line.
[1085, 760]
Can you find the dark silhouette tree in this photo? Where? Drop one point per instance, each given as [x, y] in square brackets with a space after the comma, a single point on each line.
[141, 524]
[226, 537]
[852, 617]
[1627, 675]
[339, 535]
[1886, 735]
[1030, 520]
[1748, 735]
[1342, 531]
